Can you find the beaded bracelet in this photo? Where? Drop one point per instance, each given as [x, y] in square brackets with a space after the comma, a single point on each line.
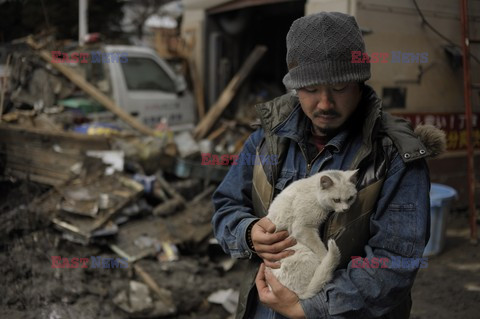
[249, 236]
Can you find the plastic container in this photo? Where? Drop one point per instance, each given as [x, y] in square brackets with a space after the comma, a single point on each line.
[441, 198]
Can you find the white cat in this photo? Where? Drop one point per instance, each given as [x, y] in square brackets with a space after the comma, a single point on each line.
[301, 208]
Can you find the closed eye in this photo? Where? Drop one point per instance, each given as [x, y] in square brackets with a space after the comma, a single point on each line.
[339, 89]
[310, 89]
[336, 200]
[350, 198]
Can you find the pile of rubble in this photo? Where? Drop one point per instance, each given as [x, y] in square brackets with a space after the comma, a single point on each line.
[125, 197]
[140, 244]
[168, 265]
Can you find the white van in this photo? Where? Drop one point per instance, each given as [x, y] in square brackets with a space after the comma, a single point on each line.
[142, 84]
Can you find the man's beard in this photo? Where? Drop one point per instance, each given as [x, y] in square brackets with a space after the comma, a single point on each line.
[329, 131]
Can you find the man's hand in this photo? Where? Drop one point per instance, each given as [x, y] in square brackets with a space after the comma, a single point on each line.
[279, 298]
[270, 246]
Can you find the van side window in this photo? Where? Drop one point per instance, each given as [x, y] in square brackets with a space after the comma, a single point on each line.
[146, 74]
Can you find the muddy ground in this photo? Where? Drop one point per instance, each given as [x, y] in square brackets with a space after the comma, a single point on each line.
[450, 286]
[31, 288]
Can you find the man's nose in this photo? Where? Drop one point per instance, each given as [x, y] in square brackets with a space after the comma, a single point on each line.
[324, 99]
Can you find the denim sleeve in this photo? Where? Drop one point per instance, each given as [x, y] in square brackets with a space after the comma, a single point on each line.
[399, 227]
[232, 201]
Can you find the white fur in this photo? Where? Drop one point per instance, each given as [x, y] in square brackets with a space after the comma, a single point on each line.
[301, 208]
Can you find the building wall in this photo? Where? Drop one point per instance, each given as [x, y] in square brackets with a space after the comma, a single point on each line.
[397, 26]
[345, 6]
[193, 25]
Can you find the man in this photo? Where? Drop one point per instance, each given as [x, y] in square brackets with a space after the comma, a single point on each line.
[331, 120]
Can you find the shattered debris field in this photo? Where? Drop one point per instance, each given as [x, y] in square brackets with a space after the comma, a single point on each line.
[172, 284]
[162, 282]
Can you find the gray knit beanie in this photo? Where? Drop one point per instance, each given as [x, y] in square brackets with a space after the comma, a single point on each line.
[319, 51]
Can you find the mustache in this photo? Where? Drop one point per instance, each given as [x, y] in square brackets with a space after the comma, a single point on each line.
[319, 113]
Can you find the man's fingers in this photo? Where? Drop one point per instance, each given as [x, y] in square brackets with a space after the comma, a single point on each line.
[273, 265]
[260, 279]
[267, 225]
[271, 280]
[277, 256]
[268, 238]
[277, 247]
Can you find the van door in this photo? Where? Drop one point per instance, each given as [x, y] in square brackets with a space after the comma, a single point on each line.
[150, 92]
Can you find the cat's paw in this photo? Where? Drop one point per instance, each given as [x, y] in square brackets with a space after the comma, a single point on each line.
[334, 250]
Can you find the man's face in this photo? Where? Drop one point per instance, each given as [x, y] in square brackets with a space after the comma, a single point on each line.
[329, 106]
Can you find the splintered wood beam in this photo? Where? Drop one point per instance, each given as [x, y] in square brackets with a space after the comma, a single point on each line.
[228, 93]
[91, 90]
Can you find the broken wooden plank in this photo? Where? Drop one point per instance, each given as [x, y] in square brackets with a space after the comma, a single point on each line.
[218, 132]
[4, 85]
[91, 90]
[120, 189]
[167, 187]
[197, 88]
[164, 295]
[229, 92]
[169, 207]
[44, 156]
[38, 178]
[38, 170]
[28, 154]
[40, 137]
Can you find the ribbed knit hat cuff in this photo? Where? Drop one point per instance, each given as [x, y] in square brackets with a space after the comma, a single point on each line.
[326, 72]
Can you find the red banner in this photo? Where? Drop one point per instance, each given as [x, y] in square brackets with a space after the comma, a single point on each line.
[454, 125]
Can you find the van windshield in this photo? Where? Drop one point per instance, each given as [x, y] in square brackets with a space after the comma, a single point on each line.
[146, 75]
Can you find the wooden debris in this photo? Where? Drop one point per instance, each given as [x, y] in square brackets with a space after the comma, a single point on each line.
[45, 156]
[172, 202]
[228, 94]
[119, 189]
[164, 295]
[169, 207]
[4, 86]
[218, 132]
[91, 90]
[197, 88]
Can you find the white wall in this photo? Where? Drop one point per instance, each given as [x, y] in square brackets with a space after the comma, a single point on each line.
[345, 6]
[397, 26]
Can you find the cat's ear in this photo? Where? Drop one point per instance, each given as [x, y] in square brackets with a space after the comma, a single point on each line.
[326, 182]
[353, 177]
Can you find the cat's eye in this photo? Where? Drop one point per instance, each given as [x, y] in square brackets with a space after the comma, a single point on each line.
[350, 198]
[336, 200]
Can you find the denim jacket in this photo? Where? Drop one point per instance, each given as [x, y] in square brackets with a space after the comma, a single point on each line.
[399, 226]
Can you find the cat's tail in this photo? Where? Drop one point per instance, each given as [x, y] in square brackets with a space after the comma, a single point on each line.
[324, 271]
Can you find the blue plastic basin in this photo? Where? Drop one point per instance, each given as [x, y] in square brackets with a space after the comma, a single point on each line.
[441, 198]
